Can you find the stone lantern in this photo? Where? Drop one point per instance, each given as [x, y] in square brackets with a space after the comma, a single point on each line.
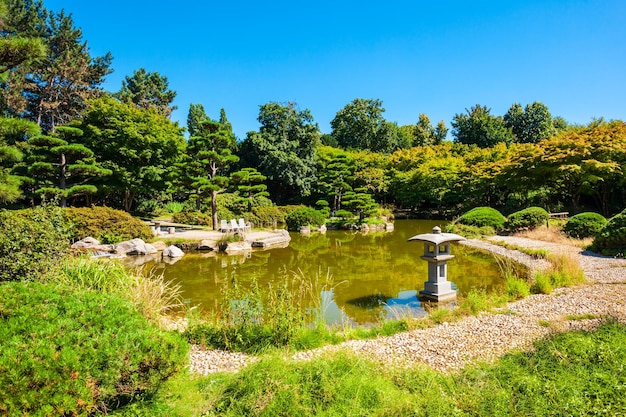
[437, 253]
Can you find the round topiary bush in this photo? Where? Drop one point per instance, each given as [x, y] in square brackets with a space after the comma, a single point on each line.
[106, 224]
[68, 352]
[611, 240]
[483, 216]
[529, 218]
[584, 225]
[304, 216]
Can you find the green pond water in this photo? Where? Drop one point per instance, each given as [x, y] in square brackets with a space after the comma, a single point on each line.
[355, 277]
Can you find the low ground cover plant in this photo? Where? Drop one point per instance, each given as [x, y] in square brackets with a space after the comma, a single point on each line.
[584, 225]
[77, 352]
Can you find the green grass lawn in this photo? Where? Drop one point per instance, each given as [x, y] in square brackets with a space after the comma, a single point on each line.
[571, 374]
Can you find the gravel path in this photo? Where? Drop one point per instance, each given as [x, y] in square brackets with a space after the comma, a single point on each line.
[488, 336]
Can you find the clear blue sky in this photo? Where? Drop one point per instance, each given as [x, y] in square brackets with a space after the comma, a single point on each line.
[436, 57]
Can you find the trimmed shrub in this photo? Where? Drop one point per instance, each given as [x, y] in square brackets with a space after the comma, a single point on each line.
[67, 352]
[469, 231]
[584, 225]
[106, 224]
[483, 216]
[271, 215]
[611, 240]
[193, 217]
[31, 242]
[304, 216]
[528, 218]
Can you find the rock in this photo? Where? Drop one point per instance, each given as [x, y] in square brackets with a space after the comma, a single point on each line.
[238, 247]
[173, 252]
[207, 244]
[364, 228]
[134, 247]
[159, 245]
[86, 243]
[322, 229]
[305, 230]
[389, 226]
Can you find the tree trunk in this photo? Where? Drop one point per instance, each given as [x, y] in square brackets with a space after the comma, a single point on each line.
[214, 208]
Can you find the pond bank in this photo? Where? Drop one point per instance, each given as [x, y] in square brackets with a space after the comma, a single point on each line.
[486, 337]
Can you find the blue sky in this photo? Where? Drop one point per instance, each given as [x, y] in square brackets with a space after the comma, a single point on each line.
[437, 57]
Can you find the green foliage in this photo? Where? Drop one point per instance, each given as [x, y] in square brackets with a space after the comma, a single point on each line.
[611, 240]
[529, 218]
[469, 231]
[344, 214]
[250, 186]
[140, 146]
[68, 352]
[148, 90]
[531, 124]
[271, 215]
[542, 284]
[479, 127]
[584, 225]
[194, 217]
[305, 216]
[516, 288]
[283, 150]
[106, 224]
[361, 125]
[31, 242]
[483, 216]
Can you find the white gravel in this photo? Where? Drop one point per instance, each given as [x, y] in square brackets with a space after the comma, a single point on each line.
[488, 336]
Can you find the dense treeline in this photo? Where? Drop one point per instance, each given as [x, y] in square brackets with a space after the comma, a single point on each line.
[62, 135]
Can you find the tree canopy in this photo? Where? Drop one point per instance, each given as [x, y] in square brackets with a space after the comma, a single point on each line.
[148, 90]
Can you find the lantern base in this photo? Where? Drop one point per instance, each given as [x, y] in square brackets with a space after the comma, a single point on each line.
[437, 297]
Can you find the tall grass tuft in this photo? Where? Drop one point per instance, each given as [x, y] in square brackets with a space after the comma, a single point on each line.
[564, 271]
[151, 294]
[250, 321]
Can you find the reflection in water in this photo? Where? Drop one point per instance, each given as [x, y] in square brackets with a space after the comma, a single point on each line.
[370, 275]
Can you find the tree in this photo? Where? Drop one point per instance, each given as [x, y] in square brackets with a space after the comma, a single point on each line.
[62, 168]
[249, 184]
[283, 149]
[360, 203]
[479, 127]
[139, 145]
[13, 132]
[148, 90]
[424, 134]
[53, 91]
[531, 124]
[361, 125]
[336, 174]
[204, 167]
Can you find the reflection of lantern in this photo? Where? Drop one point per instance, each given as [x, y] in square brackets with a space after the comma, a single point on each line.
[437, 253]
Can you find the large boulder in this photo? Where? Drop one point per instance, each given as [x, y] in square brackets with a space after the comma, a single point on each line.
[207, 244]
[238, 247]
[135, 247]
[92, 244]
[173, 252]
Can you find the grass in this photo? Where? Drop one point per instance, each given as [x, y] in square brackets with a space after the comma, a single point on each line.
[552, 233]
[564, 271]
[576, 373]
[151, 294]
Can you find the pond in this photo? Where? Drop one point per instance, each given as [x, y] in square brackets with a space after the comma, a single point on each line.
[355, 277]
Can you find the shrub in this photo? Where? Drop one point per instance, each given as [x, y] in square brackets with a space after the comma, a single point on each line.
[584, 225]
[483, 216]
[150, 207]
[529, 218]
[267, 215]
[106, 224]
[516, 288]
[469, 231]
[611, 240]
[344, 214]
[67, 352]
[193, 217]
[31, 242]
[304, 216]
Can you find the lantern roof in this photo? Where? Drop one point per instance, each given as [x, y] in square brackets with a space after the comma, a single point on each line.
[437, 238]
